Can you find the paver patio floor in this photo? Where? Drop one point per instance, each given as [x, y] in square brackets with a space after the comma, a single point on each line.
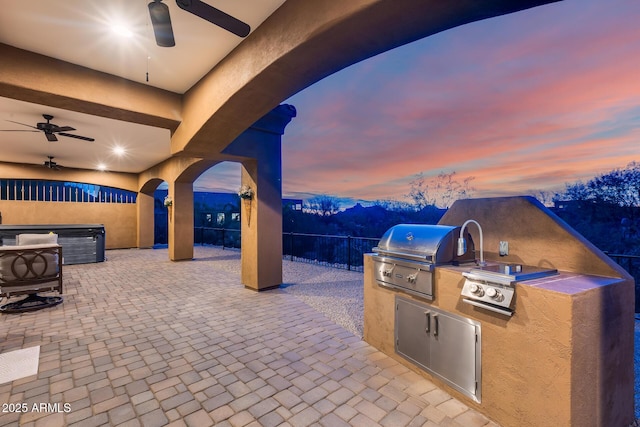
[143, 341]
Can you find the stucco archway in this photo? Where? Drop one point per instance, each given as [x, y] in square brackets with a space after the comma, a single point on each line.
[145, 213]
[301, 43]
[258, 151]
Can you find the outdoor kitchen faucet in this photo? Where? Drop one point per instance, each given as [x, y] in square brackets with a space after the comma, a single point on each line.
[462, 243]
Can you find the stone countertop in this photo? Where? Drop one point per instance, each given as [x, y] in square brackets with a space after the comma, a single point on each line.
[571, 283]
[563, 282]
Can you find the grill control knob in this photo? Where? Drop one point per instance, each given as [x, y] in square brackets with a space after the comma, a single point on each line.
[477, 290]
[495, 294]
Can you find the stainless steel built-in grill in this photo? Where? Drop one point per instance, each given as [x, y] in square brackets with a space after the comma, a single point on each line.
[444, 344]
[407, 254]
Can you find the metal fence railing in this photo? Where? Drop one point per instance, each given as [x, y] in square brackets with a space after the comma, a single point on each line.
[342, 251]
[631, 263]
[330, 250]
[39, 190]
[225, 237]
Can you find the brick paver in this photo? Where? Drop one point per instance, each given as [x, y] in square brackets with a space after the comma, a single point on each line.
[143, 341]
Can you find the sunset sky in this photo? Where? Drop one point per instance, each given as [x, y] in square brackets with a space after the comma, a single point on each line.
[523, 102]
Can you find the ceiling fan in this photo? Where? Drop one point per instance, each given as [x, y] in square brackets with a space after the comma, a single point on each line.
[50, 164]
[161, 21]
[50, 130]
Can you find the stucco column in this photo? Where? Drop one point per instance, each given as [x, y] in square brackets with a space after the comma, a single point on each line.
[145, 204]
[261, 228]
[181, 221]
[262, 216]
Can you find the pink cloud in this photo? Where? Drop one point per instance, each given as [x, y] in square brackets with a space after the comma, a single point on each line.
[531, 100]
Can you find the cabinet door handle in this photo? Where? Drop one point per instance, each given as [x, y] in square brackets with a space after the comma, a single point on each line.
[428, 328]
[435, 325]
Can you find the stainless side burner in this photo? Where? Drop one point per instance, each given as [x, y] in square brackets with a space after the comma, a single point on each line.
[492, 287]
[513, 272]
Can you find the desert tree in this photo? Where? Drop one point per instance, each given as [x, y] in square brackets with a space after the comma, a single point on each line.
[619, 187]
[441, 190]
[322, 205]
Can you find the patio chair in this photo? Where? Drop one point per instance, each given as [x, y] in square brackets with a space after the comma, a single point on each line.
[33, 265]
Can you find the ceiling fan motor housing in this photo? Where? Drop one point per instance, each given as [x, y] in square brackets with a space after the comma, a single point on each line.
[50, 163]
[46, 127]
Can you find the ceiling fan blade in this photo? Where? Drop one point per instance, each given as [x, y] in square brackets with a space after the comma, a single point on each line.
[161, 22]
[17, 130]
[18, 123]
[63, 129]
[50, 137]
[215, 16]
[84, 138]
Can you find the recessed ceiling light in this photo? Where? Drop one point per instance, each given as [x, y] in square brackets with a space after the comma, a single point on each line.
[119, 151]
[101, 167]
[121, 29]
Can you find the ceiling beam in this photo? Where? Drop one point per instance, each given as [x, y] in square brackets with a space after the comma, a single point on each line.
[39, 79]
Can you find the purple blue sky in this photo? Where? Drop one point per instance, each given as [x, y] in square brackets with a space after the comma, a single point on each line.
[523, 102]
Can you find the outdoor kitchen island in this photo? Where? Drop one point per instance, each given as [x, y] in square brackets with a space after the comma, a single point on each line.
[560, 355]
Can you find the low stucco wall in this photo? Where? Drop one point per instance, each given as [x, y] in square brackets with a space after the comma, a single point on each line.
[119, 219]
[565, 358]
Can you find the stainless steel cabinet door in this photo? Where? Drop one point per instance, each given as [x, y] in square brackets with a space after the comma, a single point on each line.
[453, 351]
[446, 345]
[412, 329]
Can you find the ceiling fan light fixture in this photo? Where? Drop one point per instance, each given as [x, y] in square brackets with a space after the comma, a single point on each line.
[161, 22]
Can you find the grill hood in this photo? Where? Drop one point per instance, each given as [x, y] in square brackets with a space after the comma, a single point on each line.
[435, 244]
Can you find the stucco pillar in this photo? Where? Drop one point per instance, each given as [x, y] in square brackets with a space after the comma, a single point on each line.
[262, 216]
[181, 221]
[145, 205]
